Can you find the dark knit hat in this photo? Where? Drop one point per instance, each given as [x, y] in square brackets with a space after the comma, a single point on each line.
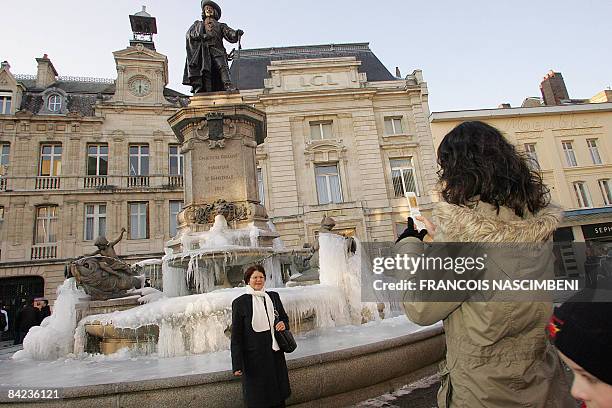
[583, 332]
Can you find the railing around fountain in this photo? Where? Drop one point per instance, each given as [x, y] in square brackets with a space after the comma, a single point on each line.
[44, 251]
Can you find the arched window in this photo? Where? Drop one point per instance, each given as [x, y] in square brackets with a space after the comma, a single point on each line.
[54, 103]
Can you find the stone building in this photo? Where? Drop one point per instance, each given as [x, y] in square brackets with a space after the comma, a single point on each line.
[345, 138]
[570, 141]
[83, 157]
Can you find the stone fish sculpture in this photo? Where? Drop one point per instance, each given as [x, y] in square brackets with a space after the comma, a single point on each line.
[102, 274]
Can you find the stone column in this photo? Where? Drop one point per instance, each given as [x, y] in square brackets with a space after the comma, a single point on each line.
[219, 136]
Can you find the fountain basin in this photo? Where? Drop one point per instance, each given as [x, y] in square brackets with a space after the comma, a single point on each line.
[334, 367]
[107, 339]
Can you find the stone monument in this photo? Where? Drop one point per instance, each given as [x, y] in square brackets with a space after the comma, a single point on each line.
[219, 134]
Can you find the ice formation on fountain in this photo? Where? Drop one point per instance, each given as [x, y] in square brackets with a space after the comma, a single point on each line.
[200, 323]
[55, 335]
[339, 269]
[209, 253]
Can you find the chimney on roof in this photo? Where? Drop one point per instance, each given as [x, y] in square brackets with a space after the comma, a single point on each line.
[504, 106]
[46, 74]
[5, 65]
[398, 74]
[553, 88]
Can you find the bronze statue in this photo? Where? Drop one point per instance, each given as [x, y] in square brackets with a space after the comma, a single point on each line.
[206, 67]
[102, 274]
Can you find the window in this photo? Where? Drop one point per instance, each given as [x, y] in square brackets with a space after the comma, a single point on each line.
[46, 225]
[393, 126]
[50, 160]
[139, 160]
[5, 103]
[97, 160]
[5, 150]
[592, 144]
[1, 215]
[260, 186]
[139, 220]
[402, 174]
[95, 221]
[54, 103]
[175, 160]
[175, 208]
[606, 191]
[570, 157]
[320, 130]
[530, 150]
[582, 194]
[328, 184]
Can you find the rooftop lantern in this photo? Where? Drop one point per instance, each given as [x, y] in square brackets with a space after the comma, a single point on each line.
[143, 27]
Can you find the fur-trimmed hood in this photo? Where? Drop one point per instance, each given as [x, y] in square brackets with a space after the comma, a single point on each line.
[483, 223]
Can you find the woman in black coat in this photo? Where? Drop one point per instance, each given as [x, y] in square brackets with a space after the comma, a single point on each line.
[256, 356]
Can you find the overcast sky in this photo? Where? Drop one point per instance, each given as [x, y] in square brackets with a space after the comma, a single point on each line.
[474, 54]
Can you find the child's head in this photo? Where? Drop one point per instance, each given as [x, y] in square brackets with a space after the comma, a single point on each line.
[582, 332]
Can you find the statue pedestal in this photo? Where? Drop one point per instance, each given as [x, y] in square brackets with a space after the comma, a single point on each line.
[219, 134]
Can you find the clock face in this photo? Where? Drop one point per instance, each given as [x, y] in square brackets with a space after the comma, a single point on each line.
[140, 86]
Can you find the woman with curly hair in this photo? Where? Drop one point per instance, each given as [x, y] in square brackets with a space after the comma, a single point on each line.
[497, 351]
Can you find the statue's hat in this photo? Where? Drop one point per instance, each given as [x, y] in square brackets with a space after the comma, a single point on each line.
[213, 5]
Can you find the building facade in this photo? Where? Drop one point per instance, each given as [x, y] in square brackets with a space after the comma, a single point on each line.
[83, 157]
[345, 138]
[570, 142]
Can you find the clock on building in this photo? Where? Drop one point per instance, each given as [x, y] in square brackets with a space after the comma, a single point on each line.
[140, 86]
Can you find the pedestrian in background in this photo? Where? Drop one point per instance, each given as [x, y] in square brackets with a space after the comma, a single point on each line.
[256, 356]
[4, 322]
[497, 353]
[45, 310]
[26, 318]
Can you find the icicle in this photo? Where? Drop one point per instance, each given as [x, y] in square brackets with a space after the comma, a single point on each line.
[54, 338]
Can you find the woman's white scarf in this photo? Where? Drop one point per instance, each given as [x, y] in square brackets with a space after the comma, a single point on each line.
[262, 321]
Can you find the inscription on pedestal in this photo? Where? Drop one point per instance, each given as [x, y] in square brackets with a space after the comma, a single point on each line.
[219, 171]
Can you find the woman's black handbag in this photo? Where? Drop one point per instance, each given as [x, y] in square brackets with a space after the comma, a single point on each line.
[284, 338]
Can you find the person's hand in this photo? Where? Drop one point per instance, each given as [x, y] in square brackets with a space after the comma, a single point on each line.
[429, 226]
[238, 373]
[411, 231]
[280, 326]
[239, 32]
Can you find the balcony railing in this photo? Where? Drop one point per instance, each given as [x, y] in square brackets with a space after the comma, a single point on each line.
[94, 182]
[47, 183]
[138, 181]
[175, 181]
[44, 251]
[100, 183]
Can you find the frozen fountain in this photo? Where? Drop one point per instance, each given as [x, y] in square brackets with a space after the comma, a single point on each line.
[171, 347]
